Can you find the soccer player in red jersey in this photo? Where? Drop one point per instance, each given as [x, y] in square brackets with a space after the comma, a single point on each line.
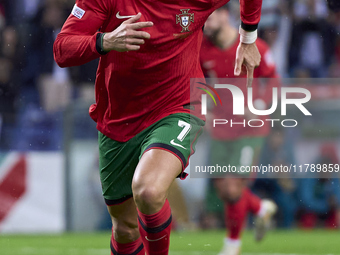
[235, 145]
[148, 52]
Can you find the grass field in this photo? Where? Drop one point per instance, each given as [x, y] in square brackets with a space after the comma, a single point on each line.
[184, 243]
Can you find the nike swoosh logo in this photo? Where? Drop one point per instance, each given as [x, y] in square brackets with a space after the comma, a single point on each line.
[177, 144]
[154, 239]
[123, 17]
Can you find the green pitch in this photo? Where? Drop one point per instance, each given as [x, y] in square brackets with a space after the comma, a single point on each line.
[183, 243]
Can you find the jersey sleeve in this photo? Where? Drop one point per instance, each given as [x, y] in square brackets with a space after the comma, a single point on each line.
[77, 43]
[250, 14]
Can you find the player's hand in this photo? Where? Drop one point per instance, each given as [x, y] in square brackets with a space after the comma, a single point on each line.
[126, 37]
[249, 56]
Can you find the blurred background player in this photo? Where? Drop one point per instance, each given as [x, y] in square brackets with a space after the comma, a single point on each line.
[236, 145]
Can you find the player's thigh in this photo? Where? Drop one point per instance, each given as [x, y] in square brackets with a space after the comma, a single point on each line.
[176, 134]
[165, 153]
[155, 172]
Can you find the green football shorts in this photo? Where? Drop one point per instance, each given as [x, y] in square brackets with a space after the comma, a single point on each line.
[176, 133]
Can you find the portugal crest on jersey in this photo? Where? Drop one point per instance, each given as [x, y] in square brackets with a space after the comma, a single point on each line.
[185, 19]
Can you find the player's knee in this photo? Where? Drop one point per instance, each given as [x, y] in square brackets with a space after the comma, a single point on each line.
[148, 195]
[125, 232]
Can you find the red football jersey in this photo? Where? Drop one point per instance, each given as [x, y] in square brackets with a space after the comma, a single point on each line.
[219, 63]
[137, 88]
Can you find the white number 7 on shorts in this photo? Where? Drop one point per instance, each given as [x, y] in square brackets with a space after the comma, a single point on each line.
[186, 129]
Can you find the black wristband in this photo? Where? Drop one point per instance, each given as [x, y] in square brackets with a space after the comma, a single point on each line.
[99, 44]
[249, 28]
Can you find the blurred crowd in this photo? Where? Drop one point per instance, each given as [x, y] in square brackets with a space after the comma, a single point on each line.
[304, 36]
[34, 91]
[306, 202]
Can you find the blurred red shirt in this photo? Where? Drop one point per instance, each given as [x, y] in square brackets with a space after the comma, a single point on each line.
[219, 63]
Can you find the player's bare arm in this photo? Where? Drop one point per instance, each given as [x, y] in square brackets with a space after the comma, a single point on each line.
[127, 37]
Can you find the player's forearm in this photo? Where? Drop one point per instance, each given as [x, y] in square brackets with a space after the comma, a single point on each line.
[73, 50]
